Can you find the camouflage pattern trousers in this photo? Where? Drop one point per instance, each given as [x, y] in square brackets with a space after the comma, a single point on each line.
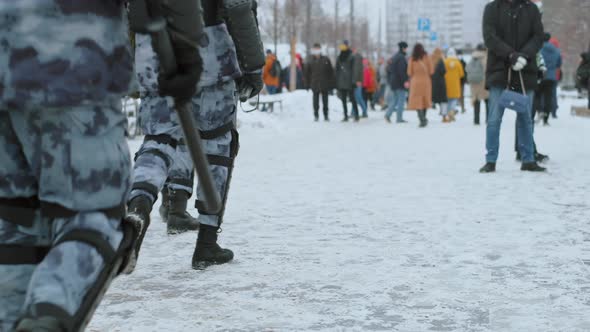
[76, 160]
[159, 164]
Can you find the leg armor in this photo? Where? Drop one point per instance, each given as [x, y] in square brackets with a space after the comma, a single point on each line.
[215, 109]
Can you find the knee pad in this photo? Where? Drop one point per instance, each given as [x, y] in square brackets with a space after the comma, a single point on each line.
[114, 261]
[222, 161]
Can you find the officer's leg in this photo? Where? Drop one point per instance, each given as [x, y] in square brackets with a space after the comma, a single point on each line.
[179, 188]
[153, 160]
[216, 115]
[17, 184]
[56, 145]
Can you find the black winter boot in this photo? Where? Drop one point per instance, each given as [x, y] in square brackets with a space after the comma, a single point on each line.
[165, 205]
[40, 324]
[488, 168]
[179, 220]
[138, 213]
[532, 167]
[208, 252]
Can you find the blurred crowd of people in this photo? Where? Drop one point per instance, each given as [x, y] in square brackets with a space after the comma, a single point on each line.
[524, 59]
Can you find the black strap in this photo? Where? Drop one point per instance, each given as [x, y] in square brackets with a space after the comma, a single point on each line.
[162, 139]
[22, 255]
[217, 132]
[20, 211]
[181, 182]
[156, 153]
[146, 186]
[220, 161]
[92, 238]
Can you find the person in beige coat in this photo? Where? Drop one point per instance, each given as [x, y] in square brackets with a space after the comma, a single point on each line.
[476, 79]
[420, 71]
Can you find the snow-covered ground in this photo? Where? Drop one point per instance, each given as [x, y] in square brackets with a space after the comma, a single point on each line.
[378, 227]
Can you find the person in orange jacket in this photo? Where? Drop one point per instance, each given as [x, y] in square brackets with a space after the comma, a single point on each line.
[271, 73]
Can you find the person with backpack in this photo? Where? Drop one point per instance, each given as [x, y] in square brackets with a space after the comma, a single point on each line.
[271, 73]
[476, 78]
[583, 74]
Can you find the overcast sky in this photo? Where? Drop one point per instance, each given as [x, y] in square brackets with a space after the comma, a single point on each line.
[364, 8]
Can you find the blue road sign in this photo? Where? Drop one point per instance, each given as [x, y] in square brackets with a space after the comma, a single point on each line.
[423, 24]
[433, 36]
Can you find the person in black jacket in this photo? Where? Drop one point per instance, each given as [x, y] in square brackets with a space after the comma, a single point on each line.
[513, 34]
[345, 80]
[319, 76]
[398, 80]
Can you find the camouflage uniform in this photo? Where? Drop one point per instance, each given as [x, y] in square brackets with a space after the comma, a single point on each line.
[163, 155]
[64, 160]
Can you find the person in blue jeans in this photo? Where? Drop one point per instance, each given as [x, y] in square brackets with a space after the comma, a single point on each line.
[397, 79]
[513, 34]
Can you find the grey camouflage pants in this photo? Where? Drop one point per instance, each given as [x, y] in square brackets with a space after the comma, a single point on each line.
[76, 159]
[213, 107]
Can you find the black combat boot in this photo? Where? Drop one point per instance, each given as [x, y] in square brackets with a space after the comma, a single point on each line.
[165, 205]
[532, 167]
[40, 324]
[179, 220]
[138, 213]
[208, 252]
[488, 168]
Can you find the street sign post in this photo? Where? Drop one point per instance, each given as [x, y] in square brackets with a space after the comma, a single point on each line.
[423, 24]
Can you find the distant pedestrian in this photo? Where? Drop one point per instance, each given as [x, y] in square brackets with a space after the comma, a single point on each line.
[369, 83]
[345, 81]
[320, 79]
[583, 74]
[546, 92]
[398, 81]
[476, 77]
[513, 34]
[463, 80]
[420, 71]
[453, 78]
[271, 73]
[358, 74]
[439, 85]
[379, 97]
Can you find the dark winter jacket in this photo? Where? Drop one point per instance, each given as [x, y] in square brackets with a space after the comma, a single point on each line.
[439, 85]
[319, 74]
[464, 79]
[357, 69]
[344, 70]
[552, 57]
[583, 72]
[512, 28]
[397, 72]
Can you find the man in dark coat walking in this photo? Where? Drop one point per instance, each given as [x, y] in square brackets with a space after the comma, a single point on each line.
[513, 34]
[345, 80]
[319, 76]
[397, 78]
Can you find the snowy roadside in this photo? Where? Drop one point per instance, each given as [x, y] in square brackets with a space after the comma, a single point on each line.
[377, 227]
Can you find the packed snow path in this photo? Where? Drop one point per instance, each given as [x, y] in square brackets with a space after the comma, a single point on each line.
[378, 227]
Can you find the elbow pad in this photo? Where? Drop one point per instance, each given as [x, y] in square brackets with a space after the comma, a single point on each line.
[242, 24]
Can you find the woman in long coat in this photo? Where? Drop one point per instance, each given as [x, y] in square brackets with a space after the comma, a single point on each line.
[439, 85]
[420, 71]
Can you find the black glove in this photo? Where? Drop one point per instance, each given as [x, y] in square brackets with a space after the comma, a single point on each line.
[249, 85]
[182, 86]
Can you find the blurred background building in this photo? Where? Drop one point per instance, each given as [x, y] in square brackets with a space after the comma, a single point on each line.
[452, 23]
